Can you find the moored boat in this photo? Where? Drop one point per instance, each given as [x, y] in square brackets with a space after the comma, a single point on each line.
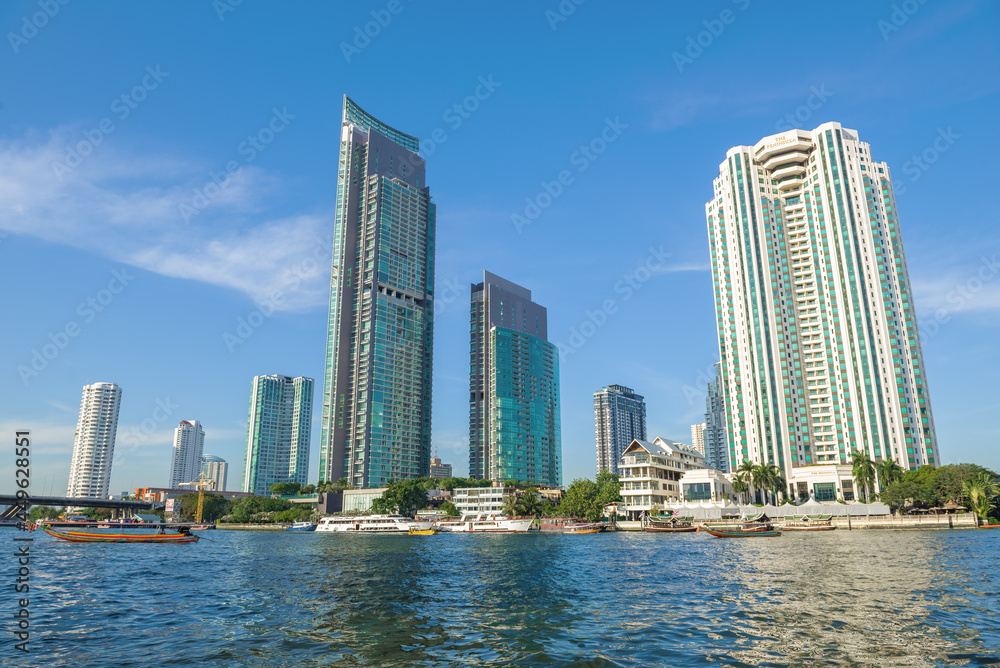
[584, 528]
[745, 530]
[670, 524]
[301, 526]
[485, 522]
[808, 523]
[433, 531]
[371, 524]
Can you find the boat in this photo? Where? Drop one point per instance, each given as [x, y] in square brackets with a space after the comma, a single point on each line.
[486, 522]
[584, 528]
[372, 524]
[753, 526]
[433, 531]
[989, 526]
[86, 537]
[808, 523]
[301, 526]
[670, 524]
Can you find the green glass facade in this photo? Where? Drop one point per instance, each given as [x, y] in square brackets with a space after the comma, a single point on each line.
[376, 422]
[278, 430]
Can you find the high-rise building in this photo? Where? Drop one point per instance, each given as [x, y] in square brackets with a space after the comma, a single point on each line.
[94, 442]
[216, 471]
[439, 470]
[698, 437]
[514, 428]
[189, 443]
[716, 443]
[817, 329]
[619, 419]
[376, 423]
[278, 432]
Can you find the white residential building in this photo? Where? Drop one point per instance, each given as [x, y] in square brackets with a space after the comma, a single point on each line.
[698, 437]
[481, 499]
[94, 442]
[189, 443]
[819, 346]
[651, 473]
[215, 469]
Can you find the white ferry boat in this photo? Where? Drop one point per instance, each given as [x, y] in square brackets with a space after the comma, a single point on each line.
[372, 524]
[485, 522]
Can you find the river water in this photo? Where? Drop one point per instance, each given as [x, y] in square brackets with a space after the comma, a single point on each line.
[860, 598]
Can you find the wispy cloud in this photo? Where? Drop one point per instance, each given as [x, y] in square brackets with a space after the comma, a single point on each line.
[126, 207]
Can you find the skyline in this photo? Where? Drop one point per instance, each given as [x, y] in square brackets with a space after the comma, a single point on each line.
[129, 267]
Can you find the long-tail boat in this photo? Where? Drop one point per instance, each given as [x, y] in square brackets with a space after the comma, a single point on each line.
[808, 523]
[672, 524]
[184, 536]
[756, 526]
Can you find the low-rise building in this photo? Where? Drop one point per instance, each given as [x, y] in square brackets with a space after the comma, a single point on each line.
[652, 471]
[359, 501]
[481, 499]
[161, 494]
[824, 482]
[440, 470]
[706, 484]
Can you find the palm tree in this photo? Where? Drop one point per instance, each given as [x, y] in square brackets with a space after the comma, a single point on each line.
[775, 478]
[889, 471]
[749, 476]
[530, 504]
[981, 493]
[863, 471]
[510, 506]
[740, 485]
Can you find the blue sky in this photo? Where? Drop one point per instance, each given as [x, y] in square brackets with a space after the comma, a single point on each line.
[120, 123]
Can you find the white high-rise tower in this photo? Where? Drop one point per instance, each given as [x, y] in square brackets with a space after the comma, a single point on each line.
[189, 444]
[94, 443]
[817, 328]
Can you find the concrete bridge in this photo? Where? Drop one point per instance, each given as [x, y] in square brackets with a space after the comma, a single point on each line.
[117, 507]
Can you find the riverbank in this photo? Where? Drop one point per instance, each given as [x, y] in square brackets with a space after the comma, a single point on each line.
[907, 522]
[252, 527]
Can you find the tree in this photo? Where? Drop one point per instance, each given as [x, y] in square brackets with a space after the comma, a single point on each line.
[530, 503]
[449, 509]
[981, 494]
[740, 485]
[297, 513]
[255, 509]
[214, 508]
[509, 507]
[586, 498]
[308, 489]
[402, 496]
[863, 471]
[770, 478]
[888, 472]
[748, 470]
[43, 513]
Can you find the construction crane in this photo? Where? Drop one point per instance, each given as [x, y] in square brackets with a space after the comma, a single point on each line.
[201, 485]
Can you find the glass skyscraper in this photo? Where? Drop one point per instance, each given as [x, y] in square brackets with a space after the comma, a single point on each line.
[376, 423]
[619, 419]
[820, 351]
[514, 430]
[716, 443]
[278, 432]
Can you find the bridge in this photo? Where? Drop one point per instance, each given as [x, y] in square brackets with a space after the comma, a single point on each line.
[14, 508]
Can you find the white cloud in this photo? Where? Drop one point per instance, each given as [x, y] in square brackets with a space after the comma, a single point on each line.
[128, 208]
[974, 287]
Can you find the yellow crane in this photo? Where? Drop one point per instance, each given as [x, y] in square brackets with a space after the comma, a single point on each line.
[201, 485]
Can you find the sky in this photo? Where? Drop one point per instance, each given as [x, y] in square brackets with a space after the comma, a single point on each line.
[168, 174]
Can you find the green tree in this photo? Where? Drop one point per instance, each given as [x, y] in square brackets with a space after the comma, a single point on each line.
[748, 470]
[863, 472]
[214, 508]
[509, 507]
[449, 509]
[981, 494]
[530, 503]
[741, 485]
[308, 490]
[586, 498]
[299, 512]
[402, 496]
[888, 472]
[256, 509]
[43, 513]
